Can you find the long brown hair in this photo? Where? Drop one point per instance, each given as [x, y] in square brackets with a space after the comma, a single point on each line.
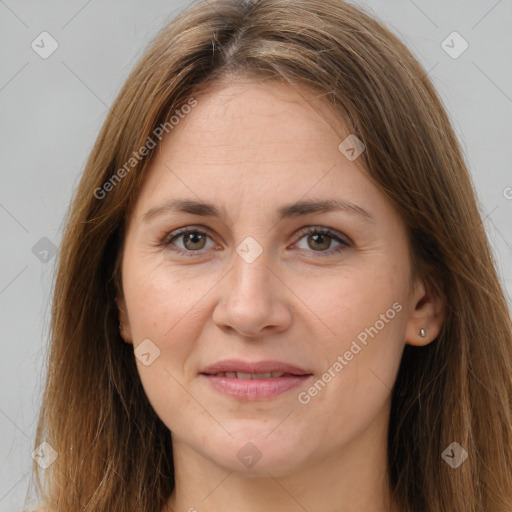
[114, 453]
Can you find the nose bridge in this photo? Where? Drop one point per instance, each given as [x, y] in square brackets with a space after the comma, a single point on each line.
[251, 299]
[250, 279]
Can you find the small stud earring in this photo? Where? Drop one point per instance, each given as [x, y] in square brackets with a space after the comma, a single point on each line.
[120, 328]
[423, 332]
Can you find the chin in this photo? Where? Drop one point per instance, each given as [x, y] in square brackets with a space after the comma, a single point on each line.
[257, 454]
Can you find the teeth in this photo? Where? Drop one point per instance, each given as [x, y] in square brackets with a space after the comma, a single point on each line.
[246, 375]
[262, 375]
[243, 375]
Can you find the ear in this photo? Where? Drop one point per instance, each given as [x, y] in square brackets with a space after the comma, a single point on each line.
[427, 313]
[124, 323]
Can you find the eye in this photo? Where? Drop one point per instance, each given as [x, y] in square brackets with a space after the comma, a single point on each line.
[192, 241]
[319, 239]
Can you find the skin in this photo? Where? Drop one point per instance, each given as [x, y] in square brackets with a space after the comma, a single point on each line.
[250, 148]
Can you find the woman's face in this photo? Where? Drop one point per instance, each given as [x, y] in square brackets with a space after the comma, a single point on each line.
[261, 345]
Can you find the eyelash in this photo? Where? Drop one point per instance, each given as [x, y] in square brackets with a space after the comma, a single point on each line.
[344, 243]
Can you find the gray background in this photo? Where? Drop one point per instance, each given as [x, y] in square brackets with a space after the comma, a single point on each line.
[52, 109]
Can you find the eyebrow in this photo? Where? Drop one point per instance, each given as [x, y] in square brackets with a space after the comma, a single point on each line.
[292, 210]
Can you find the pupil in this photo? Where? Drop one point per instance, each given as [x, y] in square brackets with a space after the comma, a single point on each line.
[191, 237]
[324, 245]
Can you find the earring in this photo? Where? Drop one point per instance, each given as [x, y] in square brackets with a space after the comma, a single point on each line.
[423, 332]
[120, 329]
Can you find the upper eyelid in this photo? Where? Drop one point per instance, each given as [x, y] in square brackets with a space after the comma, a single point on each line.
[184, 230]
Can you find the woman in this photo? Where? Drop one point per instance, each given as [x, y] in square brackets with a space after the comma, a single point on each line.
[275, 289]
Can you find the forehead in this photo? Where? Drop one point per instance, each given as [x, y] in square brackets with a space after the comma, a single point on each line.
[264, 119]
[256, 144]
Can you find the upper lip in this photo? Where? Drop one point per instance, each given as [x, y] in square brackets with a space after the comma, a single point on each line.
[236, 365]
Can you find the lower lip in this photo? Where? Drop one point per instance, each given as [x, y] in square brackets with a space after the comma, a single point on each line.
[255, 389]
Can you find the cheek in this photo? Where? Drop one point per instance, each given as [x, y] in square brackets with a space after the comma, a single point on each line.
[164, 306]
[357, 300]
[160, 299]
[367, 314]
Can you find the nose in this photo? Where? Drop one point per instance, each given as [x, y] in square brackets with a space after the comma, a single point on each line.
[254, 300]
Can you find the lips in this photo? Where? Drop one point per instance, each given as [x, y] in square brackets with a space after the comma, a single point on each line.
[254, 380]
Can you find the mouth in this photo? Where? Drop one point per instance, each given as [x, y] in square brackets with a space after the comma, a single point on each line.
[254, 380]
[248, 375]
